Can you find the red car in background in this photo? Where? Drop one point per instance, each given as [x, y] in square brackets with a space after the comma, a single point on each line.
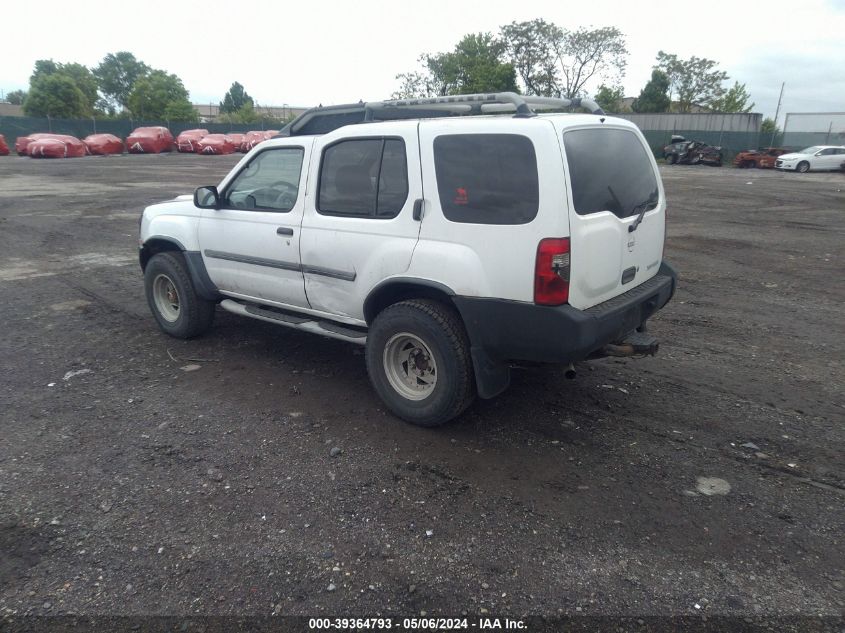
[763, 158]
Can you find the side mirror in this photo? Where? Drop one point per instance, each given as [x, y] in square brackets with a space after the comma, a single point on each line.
[207, 198]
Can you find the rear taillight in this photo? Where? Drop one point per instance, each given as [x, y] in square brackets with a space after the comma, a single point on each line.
[551, 272]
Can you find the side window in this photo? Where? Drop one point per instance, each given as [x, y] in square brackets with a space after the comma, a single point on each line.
[487, 178]
[826, 152]
[270, 182]
[363, 178]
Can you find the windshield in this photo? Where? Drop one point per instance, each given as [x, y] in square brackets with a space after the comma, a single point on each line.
[810, 150]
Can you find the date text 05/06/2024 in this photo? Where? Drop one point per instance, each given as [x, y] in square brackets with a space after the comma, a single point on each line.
[416, 624]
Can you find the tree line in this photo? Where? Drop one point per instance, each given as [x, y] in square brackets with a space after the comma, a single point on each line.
[122, 86]
[543, 59]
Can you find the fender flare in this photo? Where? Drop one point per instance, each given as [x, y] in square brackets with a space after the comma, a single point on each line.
[193, 260]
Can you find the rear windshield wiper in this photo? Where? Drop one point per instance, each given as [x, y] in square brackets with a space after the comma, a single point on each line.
[641, 208]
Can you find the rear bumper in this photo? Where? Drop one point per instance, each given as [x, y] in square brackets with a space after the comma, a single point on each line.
[502, 331]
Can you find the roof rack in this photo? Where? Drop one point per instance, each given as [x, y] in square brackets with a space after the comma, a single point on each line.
[321, 120]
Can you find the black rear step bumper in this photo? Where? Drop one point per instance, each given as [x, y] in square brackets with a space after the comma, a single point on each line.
[501, 331]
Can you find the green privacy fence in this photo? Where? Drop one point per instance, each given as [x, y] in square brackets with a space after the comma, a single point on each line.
[13, 126]
[731, 142]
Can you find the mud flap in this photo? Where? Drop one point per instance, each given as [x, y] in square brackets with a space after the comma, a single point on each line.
[492, 376]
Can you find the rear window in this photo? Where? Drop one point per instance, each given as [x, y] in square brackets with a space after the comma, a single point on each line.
[610, 171]
[487, 178]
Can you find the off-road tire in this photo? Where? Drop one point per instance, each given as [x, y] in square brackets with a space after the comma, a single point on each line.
[803, 167]
[439, 327]
[194, 315]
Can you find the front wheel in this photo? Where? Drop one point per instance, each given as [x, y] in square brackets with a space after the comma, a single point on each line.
[419, 362]
[803, 167]
[174, 302]
[672, 159]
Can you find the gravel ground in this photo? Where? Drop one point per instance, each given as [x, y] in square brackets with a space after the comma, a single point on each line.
[708, 480]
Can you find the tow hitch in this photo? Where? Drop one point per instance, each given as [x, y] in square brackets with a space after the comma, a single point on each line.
[634, 344]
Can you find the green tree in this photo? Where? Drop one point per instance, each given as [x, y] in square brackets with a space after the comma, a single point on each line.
[84, 80]
[116, 76]
[654, 97]
[552, 61]
[245, 114]
[55, 95]
[769, 126]
[692, 81]
[585, 54]
[734, 100]
[77, 73]
[16, 97]
[235, 99]
[154, 93]
[609, 98]
[43, 67]
[475, 65]
[530, 48]
[414, 85]
[181, 110]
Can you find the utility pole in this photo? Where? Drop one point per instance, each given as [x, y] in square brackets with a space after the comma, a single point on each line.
[777, 112]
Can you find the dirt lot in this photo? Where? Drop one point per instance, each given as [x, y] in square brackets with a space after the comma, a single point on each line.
[131, 486]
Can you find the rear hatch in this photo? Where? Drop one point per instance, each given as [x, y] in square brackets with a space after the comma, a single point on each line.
[611, 177]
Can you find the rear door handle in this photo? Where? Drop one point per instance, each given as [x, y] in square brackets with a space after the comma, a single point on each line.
[284, 231]
[418, 209]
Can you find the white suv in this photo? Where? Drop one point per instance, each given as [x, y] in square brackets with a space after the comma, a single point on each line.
[450, 246]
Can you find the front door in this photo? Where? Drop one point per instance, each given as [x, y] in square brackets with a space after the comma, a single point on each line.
[250, 245]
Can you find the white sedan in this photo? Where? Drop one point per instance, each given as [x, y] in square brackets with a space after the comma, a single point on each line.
[816, 158]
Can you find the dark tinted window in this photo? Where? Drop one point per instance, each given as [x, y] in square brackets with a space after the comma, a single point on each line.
[367, 177]
[487, 178]
[610, 171]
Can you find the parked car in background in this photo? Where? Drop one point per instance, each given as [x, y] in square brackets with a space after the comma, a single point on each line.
[814, 158]
[763, 158]
[683, 152]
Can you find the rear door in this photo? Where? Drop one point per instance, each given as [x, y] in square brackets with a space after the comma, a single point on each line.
[611, 176]
[358, 228]
[493, 191]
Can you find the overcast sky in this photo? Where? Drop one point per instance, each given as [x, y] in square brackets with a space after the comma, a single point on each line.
[305, 53]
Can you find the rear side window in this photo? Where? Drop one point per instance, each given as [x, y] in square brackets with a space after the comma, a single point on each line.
[487, 178]
[363, 178]
[610, 171]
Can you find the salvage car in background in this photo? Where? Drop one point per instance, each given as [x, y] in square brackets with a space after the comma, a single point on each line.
[683, 152]
[763, 158]
[815, 158]
[103, 144]
[150, 140]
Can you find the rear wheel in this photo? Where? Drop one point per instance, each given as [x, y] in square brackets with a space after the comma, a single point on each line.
[803, 167]
[174, 302]
[419, 362]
